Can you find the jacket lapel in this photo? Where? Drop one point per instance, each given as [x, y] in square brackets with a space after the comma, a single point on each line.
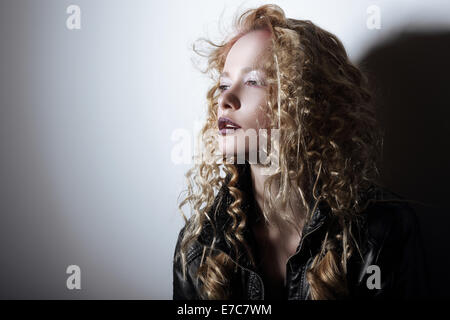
[221, 220]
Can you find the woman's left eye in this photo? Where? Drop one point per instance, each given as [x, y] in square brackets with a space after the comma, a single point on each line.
[252, 82]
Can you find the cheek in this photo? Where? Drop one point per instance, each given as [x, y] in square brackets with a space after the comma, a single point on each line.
[260, 118]
[255, 118]
[257, 115]
[263, 118]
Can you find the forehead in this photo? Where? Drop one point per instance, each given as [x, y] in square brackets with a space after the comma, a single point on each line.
[248, 51]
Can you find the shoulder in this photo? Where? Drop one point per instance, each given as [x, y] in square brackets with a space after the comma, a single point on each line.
[192, 250]
[390, 240]
[389, 217]
[217, 216]
[185, 285]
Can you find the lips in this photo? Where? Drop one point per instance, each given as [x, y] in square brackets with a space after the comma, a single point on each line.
[227, 126]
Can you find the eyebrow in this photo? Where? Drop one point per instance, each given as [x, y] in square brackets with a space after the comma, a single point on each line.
[243, 70]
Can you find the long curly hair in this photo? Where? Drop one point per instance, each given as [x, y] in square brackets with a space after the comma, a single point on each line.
[330, 146]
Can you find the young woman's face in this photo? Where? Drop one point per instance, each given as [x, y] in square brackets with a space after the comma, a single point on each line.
[243, 94]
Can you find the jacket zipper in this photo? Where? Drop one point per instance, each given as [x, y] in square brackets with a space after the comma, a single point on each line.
[300, 248]
[259, 279]
[303, 238]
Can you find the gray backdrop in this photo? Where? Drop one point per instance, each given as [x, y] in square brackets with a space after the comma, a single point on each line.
[86, 120]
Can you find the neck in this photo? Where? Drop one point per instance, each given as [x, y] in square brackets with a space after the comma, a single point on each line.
[258, 180]
[294, 205]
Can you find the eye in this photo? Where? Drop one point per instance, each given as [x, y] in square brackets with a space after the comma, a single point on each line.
[252, 82]
[223, 87]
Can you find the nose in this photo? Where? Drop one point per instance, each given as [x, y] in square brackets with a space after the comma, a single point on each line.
[229, 100]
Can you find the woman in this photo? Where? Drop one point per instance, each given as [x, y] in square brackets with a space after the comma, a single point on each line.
[318, 224]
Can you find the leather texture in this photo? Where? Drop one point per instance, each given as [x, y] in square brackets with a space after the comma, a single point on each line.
[389, 237]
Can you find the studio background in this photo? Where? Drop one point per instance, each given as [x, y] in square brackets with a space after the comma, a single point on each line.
[87, 115]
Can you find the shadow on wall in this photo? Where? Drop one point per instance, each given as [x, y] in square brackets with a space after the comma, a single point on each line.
[410, 75]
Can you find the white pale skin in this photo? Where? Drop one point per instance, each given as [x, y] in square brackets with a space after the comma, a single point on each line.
[243, 93]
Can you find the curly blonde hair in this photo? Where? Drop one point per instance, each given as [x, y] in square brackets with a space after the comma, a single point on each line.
[330, 144]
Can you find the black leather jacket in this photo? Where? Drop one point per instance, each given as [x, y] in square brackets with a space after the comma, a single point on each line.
[389, 238]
